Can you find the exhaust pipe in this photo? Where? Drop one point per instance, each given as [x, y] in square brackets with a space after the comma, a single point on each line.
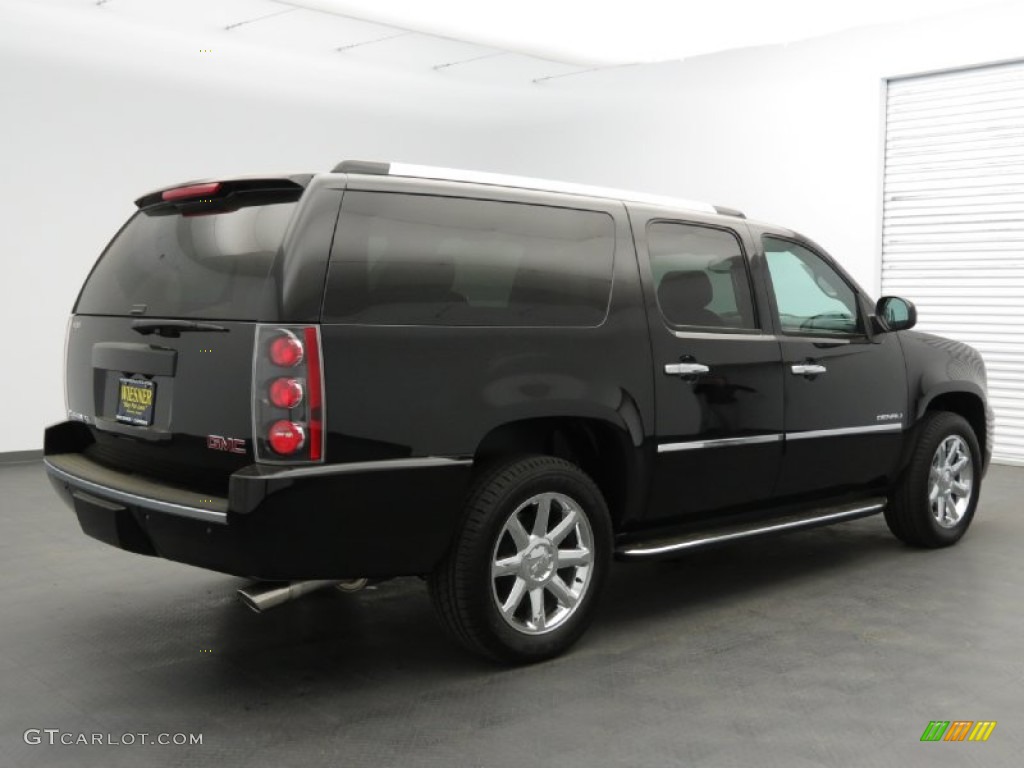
[262, 596]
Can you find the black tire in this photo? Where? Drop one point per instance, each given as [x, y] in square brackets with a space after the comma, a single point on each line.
[466, 594]
[911, 515]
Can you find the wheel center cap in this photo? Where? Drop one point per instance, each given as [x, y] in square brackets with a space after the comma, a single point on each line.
[539, 562]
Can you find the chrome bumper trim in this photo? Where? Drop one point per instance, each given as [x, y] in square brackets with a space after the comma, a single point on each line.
[196, 513]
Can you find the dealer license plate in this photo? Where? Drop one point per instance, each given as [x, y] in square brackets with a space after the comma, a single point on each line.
[136, 399]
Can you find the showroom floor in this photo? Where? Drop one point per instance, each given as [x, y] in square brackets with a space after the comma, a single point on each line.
[833, 647]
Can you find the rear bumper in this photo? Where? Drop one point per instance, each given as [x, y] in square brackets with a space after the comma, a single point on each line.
[379, 519]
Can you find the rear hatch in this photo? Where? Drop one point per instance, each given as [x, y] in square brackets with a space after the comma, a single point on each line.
[160, 345]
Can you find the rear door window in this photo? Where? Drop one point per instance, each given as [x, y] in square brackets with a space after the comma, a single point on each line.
[700, 276]
[164, 263]
[424, 260]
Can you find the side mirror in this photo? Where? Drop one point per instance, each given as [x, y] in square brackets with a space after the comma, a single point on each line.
[895, 314]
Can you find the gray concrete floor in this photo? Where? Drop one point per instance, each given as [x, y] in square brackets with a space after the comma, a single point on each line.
[832, 647]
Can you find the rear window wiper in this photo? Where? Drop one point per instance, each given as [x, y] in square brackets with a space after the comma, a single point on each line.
[172, 329]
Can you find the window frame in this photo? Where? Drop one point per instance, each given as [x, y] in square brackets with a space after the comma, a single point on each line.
[776, 315]
[758, 328]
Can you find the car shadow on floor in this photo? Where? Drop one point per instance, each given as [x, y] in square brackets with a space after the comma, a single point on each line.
[204, 646]
[391, 625]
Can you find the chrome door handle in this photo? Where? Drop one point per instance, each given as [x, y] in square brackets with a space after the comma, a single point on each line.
[686, 369]
[808, 369]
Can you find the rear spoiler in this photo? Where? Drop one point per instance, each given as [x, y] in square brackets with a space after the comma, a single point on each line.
[225, 191]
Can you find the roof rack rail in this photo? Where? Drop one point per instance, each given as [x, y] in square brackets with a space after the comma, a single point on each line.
[521, 182]
[726, 211]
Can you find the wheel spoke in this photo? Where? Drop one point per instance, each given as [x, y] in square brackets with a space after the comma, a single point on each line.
[961, 489]
[506, 566]
[950, 508]
[951, 457]
[933, 492]
[561, 591]
[518, 533]
[540, 525]
[537, 608]
[564, 527]
[574, 558]
[515, 597]
[960, 463]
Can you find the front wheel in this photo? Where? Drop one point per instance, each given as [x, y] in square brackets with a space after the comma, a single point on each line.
[935, 500]
[522, 578]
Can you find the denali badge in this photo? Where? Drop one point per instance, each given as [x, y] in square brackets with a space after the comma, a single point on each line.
[889, 417]
[229, 444]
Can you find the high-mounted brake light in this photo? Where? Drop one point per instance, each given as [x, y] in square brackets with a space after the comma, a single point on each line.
[288, 394]
[286, 351]
[192, 191]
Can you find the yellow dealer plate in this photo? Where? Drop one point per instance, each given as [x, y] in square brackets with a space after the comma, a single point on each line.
[135, 401]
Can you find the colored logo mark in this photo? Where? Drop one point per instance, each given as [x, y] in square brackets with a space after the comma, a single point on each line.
[958, 730]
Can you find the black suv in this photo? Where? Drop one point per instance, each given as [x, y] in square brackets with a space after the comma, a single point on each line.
[495, 383]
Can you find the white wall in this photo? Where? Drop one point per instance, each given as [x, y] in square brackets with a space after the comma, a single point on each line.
[92, 116]
[789, 134]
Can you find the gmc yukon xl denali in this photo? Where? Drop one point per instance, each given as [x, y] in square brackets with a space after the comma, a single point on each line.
[495, 383]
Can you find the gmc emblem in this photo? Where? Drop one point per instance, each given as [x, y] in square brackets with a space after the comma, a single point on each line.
[227, 444]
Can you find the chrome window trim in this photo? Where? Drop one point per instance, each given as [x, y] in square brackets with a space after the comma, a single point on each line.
[723, 335]
[726, 334]
[196, 513]
[823, 339]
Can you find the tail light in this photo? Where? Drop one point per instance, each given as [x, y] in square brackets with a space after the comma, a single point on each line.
[285, 393]
[286, 351]
[286, 437]
[288, 400]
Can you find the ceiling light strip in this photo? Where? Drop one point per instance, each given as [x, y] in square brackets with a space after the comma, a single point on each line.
[584, 71]
[471, 60]
[350, 46]
[237, 24]
[298, 5]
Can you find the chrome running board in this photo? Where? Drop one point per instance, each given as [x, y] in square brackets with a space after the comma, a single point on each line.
[668, 544]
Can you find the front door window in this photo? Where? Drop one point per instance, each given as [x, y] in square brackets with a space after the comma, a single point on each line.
[811, 296]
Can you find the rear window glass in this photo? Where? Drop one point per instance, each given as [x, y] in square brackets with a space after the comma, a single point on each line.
[166, 264]
[421, 260]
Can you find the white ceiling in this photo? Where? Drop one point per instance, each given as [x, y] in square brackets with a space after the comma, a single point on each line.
[521, 41]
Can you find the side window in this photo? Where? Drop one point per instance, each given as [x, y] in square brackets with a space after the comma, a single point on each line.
[810, 294]
[421, 260]
[700, 276]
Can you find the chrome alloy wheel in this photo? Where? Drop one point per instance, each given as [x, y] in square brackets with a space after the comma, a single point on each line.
[542, 563]
[950, 481]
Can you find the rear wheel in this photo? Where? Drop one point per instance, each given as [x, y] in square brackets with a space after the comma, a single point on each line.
[522, 578]
[935, 500]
